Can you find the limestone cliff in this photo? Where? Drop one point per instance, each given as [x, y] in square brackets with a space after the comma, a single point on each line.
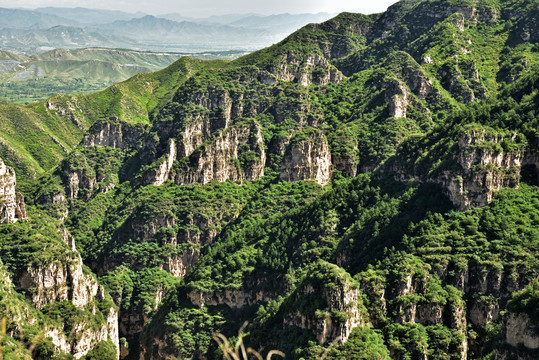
[343, 309]
[520, 329]
[113, 133]
[66, 280]
[11, 202]
[307, 158]
[235, 154]
[235, 299]
[485, 168]
[410, 85]
[58, 281]
[481, 162]
[307, 70]
[84, 337]
[521, 336]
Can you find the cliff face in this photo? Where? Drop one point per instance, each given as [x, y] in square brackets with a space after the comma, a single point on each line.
[410, 86]
[520, 326]
[67, 281]
[179, 196]
[236, 154]
[113, 133]
[336, 322]
[480, 163]
[59, 281]
[11, 202]
[486, 168]
[306, 71]
[520, 329]
[235, 299]
[307, 159]
[84, 337]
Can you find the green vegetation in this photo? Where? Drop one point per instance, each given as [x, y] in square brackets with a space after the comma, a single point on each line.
[526, 300]
[378, 264]
[80, 71]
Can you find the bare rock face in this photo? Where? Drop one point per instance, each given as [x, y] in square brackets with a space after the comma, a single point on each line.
[77, 180]
[86, 337]
[411, 84]
[485, 169]
[235, 299]
[66, 280]
[312, 69]
[336, 322]
[162, 172]
[178, 266]
[482, 313]
[520, 329]
[307, 159]
[113, 133]
[11, 203]
[59, 281]
[236, 154]
[397, 97]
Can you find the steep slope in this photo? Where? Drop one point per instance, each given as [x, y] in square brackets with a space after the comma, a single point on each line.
[46, 132]
[369, 182]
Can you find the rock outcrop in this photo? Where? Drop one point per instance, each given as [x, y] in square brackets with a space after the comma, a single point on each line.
[113, 133]
[67, 281]
[235, 299]
[397, 97]
[521, 337]
[12, 206]
[58, 281]
[84, 337]
[342, 313]
[486, 167]
[306, 71]
[307, 158]
[520, 329]
[482, 162]
[236, 154]
[161, 174]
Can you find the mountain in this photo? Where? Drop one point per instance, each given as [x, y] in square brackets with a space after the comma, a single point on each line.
[31, 40]
[79, 71]
[365, 188]
[284, 22]
[73, 71]
[89, 16]
[31, 32]
[154, 30]
[23, 19]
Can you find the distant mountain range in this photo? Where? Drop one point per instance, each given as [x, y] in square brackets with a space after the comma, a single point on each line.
[89, 16]
[33, 31]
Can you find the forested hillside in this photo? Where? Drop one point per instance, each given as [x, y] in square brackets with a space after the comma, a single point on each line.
[364, 189]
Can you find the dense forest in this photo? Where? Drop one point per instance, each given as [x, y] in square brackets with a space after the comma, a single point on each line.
[364, 189]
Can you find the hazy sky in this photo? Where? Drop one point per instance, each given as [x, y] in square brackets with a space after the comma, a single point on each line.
[212, 7]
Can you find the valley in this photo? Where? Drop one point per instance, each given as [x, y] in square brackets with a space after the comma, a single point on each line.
[366, 188]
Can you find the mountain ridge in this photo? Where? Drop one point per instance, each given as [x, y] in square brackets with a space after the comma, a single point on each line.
[366, 186]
